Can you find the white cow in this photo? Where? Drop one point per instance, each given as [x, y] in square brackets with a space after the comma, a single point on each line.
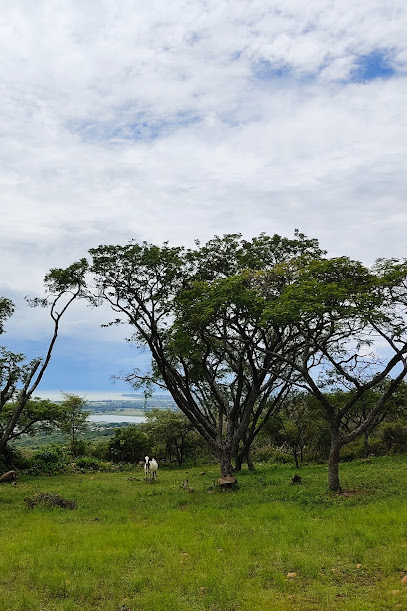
[150, 468]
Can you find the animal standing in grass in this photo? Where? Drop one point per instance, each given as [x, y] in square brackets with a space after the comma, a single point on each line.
[150, 468]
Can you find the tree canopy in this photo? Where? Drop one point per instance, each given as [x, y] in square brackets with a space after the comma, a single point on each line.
[198, 318]
[72, 418]
[234, 325]
[349, 326]
[19, 379]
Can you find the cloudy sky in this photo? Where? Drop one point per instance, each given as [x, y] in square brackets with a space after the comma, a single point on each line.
[156, 121]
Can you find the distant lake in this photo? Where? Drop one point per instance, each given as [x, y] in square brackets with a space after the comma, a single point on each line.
[115, 418]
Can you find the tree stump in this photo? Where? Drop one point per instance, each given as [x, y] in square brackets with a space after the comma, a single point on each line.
[296, 479]
[227, 483]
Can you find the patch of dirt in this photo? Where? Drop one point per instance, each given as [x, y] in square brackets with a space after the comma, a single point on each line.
[351, 493]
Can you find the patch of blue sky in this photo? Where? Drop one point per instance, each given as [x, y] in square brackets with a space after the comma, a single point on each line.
[84, 367]
[374, 65]
[136, 127]
[266, 71]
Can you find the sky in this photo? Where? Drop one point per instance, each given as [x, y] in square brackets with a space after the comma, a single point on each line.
[178, 121]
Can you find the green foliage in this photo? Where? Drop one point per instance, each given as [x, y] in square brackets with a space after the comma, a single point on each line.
[13, 458]
[6, 310]
[266, 452]
[394, 438]
[298, 429]
[19, 412]
[72, 419]
[129, 444]
[92, 464]
[79, 448]
[233, 326]
[37, 414]
[71, 278]
[99, 449]
[52, 459]
[170, 434]
[4, 466]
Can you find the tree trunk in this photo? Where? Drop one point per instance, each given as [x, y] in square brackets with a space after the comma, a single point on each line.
[243, 455]
[366, 447]
[333, 469]
[250, 464]
[225, 459]
[295, 454]
[238, 462]
[7, 455]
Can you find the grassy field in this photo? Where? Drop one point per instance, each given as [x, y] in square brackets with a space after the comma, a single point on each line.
[268, 546]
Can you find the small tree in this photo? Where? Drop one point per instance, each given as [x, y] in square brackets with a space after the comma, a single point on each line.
[19, 379]
[129, 444]
[72, 418]
[171, 430]
[296, 422]
[37, 415]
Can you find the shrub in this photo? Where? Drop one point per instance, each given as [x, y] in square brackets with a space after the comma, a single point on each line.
[93, 464]
[20, 461]
[78, 448]
[377, 447]
[99, 449]
[268, 453]
[394, 438]
[52, 459]
[352, 450]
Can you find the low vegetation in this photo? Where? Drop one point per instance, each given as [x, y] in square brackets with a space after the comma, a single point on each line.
[269, 545]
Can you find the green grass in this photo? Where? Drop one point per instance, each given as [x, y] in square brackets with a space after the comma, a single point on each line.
[133, 545]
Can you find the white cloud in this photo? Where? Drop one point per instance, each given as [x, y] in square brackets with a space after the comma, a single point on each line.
[174, 122]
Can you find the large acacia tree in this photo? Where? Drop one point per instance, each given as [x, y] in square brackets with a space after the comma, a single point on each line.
[340, 329]
[211, 353]
[351, 329]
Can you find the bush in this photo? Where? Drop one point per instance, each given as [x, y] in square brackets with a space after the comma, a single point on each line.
[352, 451]
[52, 459]
[79, 448]
[99, 449]
[20, 461]
[92, 464]
[377, 447]
[394, 438]
[268, 453]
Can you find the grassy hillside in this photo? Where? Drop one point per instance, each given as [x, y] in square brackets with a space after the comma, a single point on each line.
[132, 545]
